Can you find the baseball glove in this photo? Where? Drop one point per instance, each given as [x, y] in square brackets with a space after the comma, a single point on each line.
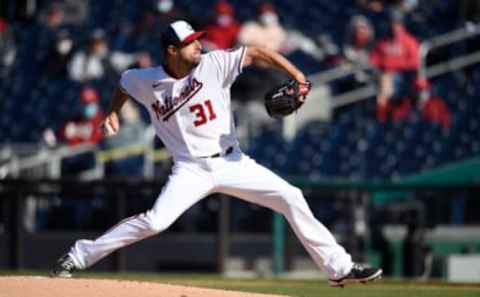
[286, 98]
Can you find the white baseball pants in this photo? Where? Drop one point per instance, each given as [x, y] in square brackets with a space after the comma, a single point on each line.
[235, 174]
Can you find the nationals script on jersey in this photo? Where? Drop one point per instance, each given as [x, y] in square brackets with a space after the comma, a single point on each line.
[191, 115]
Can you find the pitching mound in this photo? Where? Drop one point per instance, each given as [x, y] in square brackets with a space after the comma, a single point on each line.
[32, 286]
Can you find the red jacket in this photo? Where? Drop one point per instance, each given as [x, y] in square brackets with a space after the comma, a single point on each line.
[82, 131]
[223, 37]
[402, 53]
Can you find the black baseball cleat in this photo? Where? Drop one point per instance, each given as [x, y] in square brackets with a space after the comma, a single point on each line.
[64, 267]
[359, 274]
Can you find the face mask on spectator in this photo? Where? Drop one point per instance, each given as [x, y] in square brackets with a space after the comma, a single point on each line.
[90, 110]
[269, 18]
[64, 46]
[424, 96]
[164, 5]
[224, 20]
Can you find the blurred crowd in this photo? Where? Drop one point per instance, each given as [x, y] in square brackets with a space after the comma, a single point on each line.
[386, 52]
[376, 42]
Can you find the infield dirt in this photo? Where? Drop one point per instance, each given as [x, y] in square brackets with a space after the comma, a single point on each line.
[35, 286]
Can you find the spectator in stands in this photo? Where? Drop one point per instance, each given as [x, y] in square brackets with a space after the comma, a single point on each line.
[84, 127]
[359, 40]
[143, 60]
[75, 11]
[382, 5]
[155, 20]
[81, 129]
[165, 11]
[55, 16]
[223, 31]
[396, 55]
[51, 20]
[266, 31]
[98, 61]
[358, 44]
[7, 49]
[91, 64]
[59, 55]
[64, 12]
[133, 134]
[433, 108]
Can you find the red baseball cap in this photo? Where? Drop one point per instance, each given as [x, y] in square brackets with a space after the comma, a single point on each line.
[223, 7]
[89, 95]
[181, 33]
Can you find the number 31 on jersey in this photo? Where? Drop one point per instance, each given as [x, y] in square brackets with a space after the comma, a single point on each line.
[203, 113]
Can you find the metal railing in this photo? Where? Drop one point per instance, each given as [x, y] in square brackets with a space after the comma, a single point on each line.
[41, 157]
[468, 31]
[45, 162]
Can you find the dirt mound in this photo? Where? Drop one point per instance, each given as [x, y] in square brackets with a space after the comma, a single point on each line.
[35, 286]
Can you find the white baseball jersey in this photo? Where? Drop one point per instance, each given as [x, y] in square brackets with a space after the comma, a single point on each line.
[191, 115]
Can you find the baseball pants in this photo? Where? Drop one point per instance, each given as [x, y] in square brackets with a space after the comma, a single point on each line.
[237, 175]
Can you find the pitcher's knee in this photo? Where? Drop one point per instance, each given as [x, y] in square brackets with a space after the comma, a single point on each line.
[292, 196]
[155, 223]
[298, 202]
[293, 193]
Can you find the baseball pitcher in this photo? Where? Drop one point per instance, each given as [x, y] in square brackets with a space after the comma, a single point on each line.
[188, 99]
